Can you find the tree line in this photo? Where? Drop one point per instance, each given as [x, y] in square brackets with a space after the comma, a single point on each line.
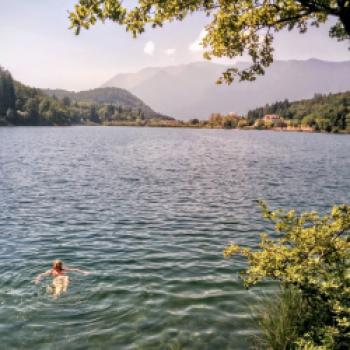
[23, 105]
[330, 113]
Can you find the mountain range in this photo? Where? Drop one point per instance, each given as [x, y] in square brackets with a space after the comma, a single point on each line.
[189, 90]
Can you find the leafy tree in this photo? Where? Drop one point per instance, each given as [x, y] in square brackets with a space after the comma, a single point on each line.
[57, 115]
[242, 123]
[312, 254]
[230, 122]
[295, 123]
[66, 101]
[260, 124]
[110, 110]
[194, 121]
[44, 106]
[324, 124]
[94, 117]
[32, 109]
[309, 120]
[347, 121]
[236, 27]
[11, 115]
[215, 120]
[7, 92]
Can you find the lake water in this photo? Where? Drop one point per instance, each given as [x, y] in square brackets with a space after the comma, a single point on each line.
[148, 212]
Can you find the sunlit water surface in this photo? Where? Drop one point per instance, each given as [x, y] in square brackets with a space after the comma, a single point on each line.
[148, 212]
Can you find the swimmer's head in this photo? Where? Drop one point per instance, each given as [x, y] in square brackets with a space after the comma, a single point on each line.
[57, 264]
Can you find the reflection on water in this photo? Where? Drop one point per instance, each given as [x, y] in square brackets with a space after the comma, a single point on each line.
[148, 211]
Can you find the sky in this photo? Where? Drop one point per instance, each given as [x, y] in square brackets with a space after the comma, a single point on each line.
[38, 48]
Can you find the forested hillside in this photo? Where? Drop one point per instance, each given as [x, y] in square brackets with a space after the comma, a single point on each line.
[108, 95]
[322, 112]
[23, 105]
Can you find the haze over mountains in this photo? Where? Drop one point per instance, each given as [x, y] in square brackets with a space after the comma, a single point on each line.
[189, 90]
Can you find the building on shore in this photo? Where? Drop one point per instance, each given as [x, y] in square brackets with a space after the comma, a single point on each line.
[272, 117]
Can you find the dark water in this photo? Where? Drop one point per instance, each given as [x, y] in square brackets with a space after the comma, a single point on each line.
[149, 212]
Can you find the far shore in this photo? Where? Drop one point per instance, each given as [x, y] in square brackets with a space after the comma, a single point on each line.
[166, 124]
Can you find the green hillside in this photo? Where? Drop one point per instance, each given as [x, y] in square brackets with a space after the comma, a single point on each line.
[322, 112]
[23, 105]
[105, 96]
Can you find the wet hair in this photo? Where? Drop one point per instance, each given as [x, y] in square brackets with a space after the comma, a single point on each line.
[57, 264]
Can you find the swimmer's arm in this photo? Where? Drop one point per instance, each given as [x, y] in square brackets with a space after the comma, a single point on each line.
[44, 274]
[68, 269]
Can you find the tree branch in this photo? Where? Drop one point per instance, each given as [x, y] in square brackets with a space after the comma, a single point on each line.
[319, 7]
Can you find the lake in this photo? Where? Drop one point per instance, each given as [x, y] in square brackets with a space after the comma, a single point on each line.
[148, 211]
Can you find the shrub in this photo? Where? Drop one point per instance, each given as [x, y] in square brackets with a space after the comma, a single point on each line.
[279, 123]
[259, 124]
[312, 254]
[242, 123]
[324, 124]
[295, 123]
[194, 121]
[229, 122]
[335, 130]
[308, 121]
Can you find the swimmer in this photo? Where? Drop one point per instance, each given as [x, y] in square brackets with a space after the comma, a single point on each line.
[60, 280]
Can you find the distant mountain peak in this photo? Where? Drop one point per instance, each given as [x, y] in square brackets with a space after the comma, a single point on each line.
[190, 90]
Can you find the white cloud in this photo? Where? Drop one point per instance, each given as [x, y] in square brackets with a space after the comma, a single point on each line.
[196, 45]
[170, 52]
[149, 48]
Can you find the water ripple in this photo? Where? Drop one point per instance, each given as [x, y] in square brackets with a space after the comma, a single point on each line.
[148, 212]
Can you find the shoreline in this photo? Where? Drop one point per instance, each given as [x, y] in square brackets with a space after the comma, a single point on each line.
[166, 125]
